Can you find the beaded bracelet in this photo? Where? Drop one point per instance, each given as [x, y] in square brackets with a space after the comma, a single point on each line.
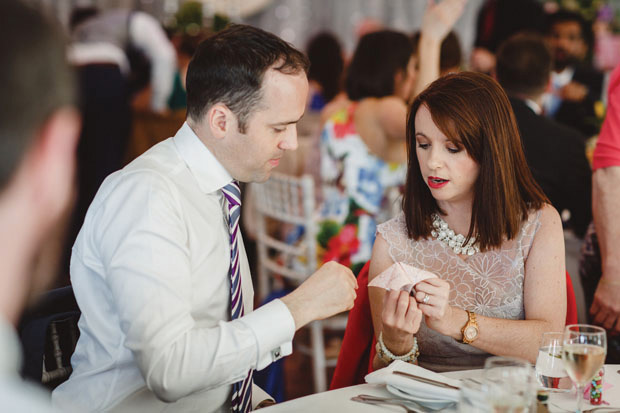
[387, 356]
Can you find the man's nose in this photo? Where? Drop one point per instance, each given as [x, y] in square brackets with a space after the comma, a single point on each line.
[290, 141]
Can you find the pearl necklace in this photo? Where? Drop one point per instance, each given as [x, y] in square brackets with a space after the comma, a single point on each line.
[444, 234]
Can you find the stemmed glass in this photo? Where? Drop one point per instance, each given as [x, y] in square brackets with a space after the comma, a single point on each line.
[583, 353]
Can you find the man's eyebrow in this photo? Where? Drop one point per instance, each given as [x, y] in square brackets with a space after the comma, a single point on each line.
[288, 122]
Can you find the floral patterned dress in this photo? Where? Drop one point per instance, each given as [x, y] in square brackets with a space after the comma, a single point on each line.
[359, 191]
[488, 283]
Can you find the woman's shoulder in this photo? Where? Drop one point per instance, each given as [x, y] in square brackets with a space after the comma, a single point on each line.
[394, 231]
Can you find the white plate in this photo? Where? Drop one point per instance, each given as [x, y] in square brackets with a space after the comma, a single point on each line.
[432, 403]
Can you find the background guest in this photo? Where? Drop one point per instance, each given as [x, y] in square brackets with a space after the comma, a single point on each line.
[497, 21]
[39, 129]
[555, 153]
[575, 84]
[600, 264]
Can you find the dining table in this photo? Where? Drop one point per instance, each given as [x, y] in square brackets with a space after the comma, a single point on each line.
[339, 401]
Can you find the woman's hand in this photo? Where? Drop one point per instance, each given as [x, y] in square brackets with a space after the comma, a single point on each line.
[432, 296]
[401, 319]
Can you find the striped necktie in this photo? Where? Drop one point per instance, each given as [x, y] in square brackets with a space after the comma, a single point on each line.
[242, 390]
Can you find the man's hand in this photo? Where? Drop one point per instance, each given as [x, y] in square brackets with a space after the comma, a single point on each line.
[606, 305]
[329, 291]
[574, 92]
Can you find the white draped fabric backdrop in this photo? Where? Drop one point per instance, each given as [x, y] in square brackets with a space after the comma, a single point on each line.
[297, 20]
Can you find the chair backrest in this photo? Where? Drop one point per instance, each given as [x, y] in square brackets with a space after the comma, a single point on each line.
[48, 334]
[571, 302]
[288, 248]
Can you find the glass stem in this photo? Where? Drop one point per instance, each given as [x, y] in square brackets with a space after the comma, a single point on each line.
[580, 390]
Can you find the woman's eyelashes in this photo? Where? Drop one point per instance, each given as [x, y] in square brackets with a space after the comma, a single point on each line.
[450, 148]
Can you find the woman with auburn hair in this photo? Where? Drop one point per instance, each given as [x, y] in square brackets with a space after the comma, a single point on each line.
[474, 216]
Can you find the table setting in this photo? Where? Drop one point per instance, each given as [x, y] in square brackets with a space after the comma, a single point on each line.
[568, 368]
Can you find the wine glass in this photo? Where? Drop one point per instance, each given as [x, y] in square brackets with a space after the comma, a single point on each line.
[510, 384]
[583, 352]
[550, 370]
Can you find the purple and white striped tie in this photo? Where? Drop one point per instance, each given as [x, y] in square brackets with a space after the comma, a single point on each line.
[242, 390]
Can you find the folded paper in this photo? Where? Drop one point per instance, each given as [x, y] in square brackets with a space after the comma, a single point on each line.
[400, 276]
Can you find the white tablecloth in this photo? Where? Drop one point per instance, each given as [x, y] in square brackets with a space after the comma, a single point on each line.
[339, 401]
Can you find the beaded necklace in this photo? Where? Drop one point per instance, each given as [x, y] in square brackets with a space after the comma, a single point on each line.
[444, 234]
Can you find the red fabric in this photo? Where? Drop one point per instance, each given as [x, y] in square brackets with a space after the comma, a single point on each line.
[607, 152]
[571, 302]
[358, 345]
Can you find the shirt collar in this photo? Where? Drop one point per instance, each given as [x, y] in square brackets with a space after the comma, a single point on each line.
[563, 78]
[205, 167]
[10, 356]
[534, 106]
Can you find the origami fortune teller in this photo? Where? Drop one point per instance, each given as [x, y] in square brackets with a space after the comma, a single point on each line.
[400, 276]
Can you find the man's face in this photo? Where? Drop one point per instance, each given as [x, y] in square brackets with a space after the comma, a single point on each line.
[567, 44]
[271, 129]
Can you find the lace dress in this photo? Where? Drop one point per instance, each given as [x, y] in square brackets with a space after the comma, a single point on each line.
[487, 283]
[359, 190]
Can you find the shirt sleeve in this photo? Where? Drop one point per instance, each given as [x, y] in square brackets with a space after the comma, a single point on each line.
[143, 243]
[607, 152]
[147, 35]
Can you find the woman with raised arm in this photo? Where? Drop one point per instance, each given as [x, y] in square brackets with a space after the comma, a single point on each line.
[472, 215]
[362, 147]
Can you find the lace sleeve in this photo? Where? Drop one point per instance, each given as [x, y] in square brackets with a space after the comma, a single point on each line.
[394, 232]
[528, 232]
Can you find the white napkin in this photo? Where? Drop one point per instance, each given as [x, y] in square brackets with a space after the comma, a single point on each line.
[412, 387]
[400, 276]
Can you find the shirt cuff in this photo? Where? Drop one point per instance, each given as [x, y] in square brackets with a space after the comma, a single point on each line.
[274, 328]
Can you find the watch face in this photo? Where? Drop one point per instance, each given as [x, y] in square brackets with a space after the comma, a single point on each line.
[470, 332]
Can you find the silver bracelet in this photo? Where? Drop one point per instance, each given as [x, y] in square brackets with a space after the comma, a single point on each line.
[387, 356]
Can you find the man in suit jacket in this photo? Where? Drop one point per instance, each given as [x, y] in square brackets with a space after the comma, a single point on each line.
[575, 84]
[554, 152]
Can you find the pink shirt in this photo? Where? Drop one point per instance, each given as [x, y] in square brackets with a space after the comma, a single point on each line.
[607, 152]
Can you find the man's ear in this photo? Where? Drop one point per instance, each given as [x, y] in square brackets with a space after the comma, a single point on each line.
[221, 120]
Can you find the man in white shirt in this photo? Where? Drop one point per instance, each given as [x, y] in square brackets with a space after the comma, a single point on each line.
[151, 267]
[38, 136]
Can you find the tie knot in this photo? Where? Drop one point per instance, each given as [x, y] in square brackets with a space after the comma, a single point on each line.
[232, 192]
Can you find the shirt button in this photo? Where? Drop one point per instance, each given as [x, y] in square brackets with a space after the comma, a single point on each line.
[276, 353]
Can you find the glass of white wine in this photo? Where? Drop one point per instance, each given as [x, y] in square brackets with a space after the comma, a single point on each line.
[583, 353]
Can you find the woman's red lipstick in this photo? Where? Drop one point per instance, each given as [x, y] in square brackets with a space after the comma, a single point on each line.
[435, 182]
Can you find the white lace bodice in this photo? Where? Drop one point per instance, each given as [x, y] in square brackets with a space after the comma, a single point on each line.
[487, 283]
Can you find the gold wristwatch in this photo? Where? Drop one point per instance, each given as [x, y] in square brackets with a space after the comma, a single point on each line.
[470, 329]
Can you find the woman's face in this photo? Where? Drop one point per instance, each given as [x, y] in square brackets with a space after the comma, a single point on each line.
[448, 171]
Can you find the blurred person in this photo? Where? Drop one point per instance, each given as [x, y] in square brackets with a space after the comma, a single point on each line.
[362, 148]
[102, 43]
[600, 263]
[159, 268]
[39, 128]
[575, 84]
[497, 21]
[326, 66]
[474, 216]
[554, 152]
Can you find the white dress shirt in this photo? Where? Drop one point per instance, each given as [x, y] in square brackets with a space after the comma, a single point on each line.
[150, 273]
[17, 395]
